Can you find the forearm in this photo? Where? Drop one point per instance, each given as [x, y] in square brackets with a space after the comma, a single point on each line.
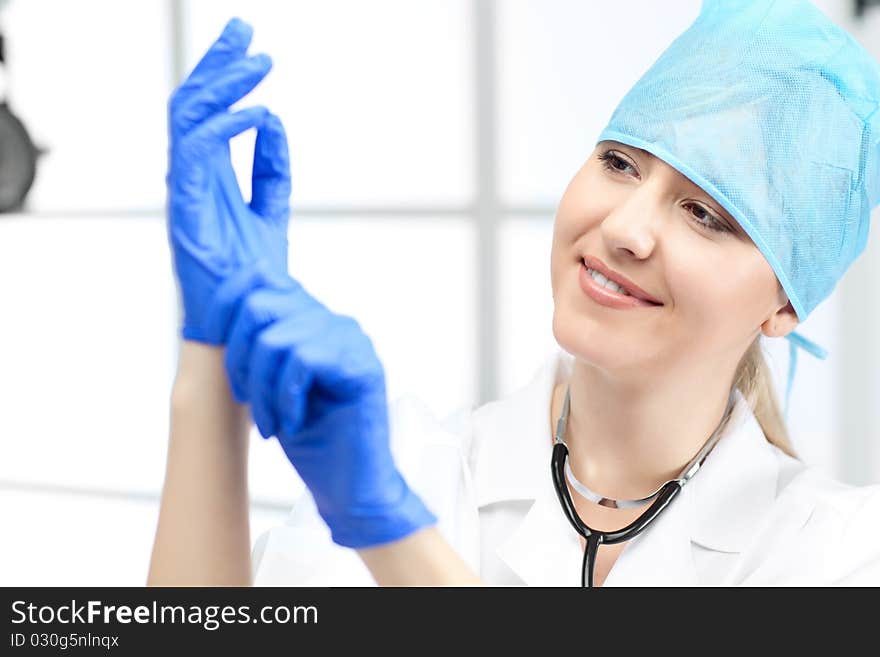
[423, 558]
[203, 533]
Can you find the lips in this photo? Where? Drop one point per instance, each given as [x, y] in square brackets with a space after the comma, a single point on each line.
[594, 263]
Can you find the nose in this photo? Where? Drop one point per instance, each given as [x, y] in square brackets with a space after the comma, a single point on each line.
[634, 219]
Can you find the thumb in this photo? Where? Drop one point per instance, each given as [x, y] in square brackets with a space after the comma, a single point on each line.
[270, 186]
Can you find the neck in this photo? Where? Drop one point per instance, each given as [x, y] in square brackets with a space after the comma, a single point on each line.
[626, 439]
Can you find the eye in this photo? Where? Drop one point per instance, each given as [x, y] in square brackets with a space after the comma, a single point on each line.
[616, 164]
[612, 162]
[711, 222]
[707, 220]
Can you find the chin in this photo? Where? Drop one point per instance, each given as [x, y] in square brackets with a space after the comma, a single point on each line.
[581, 337]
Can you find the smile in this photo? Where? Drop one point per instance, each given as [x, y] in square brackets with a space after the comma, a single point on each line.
[607, 293]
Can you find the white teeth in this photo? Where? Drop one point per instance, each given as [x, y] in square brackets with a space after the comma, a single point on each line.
[610, 285]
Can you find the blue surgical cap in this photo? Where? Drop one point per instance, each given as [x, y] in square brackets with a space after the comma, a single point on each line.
[771, 109]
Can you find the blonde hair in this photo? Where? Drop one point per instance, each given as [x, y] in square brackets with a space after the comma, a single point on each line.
[754, 380]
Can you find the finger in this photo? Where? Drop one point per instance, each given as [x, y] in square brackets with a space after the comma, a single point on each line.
[271, 174]
[256, 312]
[234, 289]
[202, 158]
[279, 342]
[363, 370]
[266, 359]
[233, 84]
[213, 135]
[232, 44]
[341, 358]
[292, 391]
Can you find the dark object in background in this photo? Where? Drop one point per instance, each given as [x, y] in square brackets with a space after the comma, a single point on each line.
[862, 5]
[18, 161]
[18, 157]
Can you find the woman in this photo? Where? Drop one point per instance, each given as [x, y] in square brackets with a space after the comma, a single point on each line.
[730, 191]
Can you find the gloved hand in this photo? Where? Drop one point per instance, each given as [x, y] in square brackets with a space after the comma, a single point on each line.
[221, 245]
[311, 376]
[315, 382]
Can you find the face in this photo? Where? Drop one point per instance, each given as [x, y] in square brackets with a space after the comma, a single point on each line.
[648, 222]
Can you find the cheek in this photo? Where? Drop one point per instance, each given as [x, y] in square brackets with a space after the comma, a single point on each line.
[581, 209]
[584, 203]
[729, 300]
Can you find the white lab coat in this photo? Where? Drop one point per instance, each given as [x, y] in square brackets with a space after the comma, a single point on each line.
[751, 516]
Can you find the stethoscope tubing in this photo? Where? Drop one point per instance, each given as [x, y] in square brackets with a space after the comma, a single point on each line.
[594, 537]
[664, 495]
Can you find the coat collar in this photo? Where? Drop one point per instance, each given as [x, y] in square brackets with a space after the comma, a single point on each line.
[718, 509]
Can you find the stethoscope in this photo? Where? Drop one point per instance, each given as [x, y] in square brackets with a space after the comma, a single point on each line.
[660, 498]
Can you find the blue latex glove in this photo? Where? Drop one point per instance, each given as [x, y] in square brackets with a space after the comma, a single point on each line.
[221, 245]
[315, 382]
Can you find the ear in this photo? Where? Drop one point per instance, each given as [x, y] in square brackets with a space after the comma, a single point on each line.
[780, 323]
